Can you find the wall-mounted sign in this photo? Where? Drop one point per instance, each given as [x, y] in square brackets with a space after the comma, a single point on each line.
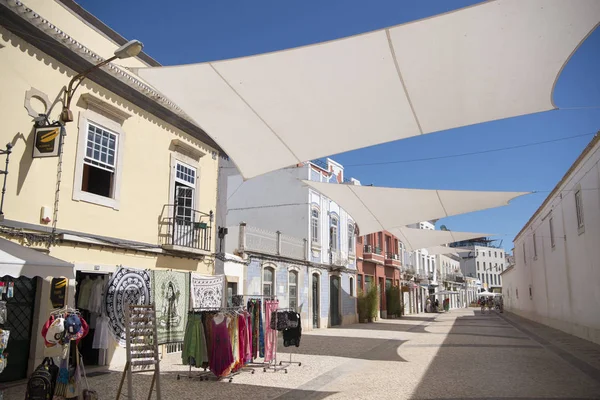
[58, 292]
[47, 140]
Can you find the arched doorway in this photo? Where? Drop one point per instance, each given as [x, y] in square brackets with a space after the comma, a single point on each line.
[334, 300]
[316, 307]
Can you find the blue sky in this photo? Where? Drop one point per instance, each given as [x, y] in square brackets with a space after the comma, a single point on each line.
[196, 31]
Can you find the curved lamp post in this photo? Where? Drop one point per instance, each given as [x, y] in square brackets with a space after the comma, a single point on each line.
[129, 49]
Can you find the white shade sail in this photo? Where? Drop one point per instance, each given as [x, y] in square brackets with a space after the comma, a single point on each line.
[415, 239]
[440, 250]
[17, 260]
[375, 209]
[494, 60]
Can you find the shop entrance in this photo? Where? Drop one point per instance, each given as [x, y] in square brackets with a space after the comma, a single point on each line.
[89, 302]
[19, 322]
[315, 301]
[334, 301]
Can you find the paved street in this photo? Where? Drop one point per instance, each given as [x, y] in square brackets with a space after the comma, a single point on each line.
[461, 354]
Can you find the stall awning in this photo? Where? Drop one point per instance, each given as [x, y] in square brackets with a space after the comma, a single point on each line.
[415, 239]
[17, 260]
[375, 209]
[494, 60]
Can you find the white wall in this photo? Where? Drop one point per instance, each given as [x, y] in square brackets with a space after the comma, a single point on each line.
[563, 278]
[277, 201]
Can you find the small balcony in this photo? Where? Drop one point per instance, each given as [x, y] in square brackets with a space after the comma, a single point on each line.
[392, 259]
[369, 248]
[185, 229]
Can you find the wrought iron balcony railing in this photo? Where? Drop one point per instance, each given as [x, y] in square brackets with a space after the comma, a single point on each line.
[183, 227]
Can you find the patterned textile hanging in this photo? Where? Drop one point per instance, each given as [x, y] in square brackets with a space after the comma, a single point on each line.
[127, 286]
[171, 293]
[207, 291]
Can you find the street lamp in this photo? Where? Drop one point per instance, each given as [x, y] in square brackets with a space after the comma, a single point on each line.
[129, 49]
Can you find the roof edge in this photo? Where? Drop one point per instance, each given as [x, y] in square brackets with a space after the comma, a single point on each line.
[100, 26]
[595, 140]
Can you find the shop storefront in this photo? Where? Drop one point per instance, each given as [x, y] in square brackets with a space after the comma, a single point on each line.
[25, 289]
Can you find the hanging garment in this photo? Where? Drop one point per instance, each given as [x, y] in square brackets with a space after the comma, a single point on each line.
[207, 291]
[171, 293]
[85, 289]
[254, 313]
[279, 320]
[127, 286]
[222, 356]
[101, 333]
[194, 350]
[242, 337]
[291, 336]
[261, 333]
[271, 333]
[248, 355]
[207, 320]
[95, 299]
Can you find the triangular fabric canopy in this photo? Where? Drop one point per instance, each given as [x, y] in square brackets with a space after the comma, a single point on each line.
[415, 239]
[17, 260]
[376, 209]
[494, 60]
[440, 250]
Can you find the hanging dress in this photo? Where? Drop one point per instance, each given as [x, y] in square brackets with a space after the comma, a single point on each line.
[222, 356]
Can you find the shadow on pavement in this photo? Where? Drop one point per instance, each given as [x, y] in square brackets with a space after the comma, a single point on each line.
[483, 369]
[347, 347]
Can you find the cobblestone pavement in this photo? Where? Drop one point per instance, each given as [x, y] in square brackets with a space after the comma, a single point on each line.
[461, 354]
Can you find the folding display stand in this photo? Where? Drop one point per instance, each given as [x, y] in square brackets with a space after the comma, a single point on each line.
[142, 347]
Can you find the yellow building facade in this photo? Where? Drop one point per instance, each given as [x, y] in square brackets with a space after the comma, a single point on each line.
[128, 157]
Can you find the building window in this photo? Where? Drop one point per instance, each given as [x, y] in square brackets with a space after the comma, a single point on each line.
[495, 254]
[268, 281]
[333, 234]
[551, 223]
[500, 280]
[484, 265]
[517, 293]
[293, 290]
[490, 253]
[530, 293]
[478, 265]
[579, 209]
[100, 162]
[351, 245]
[368, 282]
[351, 286]
[524, 255]
[185, 191]
[359, 279]
[231, 291]
[534, 248]
[314, 225]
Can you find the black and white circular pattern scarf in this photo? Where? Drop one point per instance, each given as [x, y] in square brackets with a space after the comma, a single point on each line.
[127, 286]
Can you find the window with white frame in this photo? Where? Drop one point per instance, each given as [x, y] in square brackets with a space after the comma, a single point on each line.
[185, 191]
[100, 161]
[314, 225]
[293, 290]
[579, 209]
[351, 238]
[333, 233]
[551, 225]
[268, 281]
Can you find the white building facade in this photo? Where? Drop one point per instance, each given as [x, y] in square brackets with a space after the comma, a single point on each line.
[280, 202]
[556, 273]
[485, 263]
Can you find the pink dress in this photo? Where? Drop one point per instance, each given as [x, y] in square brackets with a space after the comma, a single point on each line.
[270, 334]
[222, 353]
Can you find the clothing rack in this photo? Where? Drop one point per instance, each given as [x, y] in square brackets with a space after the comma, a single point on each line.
[251, 365]
[206, 374]
[290, 362]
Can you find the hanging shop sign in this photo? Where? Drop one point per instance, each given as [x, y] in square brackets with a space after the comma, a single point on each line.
[58, 292]
[47, 141]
